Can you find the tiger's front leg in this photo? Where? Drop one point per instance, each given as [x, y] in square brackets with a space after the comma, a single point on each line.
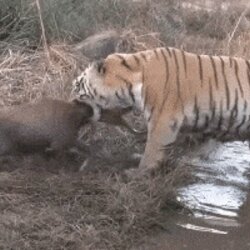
[161, 134]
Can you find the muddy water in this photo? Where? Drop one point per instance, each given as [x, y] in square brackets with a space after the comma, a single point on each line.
[219, 201]
[222, 185]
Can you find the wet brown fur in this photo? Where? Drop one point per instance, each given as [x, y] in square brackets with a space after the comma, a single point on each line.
[47, 124]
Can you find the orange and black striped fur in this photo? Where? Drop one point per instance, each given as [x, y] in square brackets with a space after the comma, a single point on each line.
[177, 91]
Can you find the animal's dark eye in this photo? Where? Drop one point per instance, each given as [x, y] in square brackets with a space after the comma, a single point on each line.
[100, 66]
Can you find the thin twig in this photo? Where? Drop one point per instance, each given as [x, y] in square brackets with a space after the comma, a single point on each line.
[45, 44]
[235, 28]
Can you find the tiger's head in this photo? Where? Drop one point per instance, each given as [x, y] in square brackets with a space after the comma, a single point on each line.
[114, 82]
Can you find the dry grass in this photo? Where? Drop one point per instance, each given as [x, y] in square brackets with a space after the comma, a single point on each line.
[45, 204]
[27, 76]
[44, 210]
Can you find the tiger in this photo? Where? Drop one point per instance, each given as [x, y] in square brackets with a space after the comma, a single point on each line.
[178, 92]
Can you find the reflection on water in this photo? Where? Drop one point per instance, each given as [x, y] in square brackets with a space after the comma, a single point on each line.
[202, 229]
[222, 186]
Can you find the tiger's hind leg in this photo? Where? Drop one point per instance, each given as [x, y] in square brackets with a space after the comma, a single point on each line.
[163, 132]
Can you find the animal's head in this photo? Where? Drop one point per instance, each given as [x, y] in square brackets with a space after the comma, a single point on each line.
[110, 83]
[86, 111]
[90, 112]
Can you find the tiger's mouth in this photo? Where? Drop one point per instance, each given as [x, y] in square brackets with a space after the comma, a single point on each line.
[115, 117]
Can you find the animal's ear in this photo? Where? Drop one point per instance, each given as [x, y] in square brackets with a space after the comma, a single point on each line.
[88, 110]
[76, 102]
[100, 66]
[84, 107]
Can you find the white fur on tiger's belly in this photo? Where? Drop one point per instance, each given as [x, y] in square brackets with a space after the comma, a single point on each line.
[137, 91]
[139, 102]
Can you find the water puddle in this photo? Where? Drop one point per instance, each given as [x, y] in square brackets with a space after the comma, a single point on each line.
[221, 189]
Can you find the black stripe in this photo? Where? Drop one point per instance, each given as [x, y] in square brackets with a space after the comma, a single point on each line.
[156, 54]
[83, 87]
[241, 124]
[151, 114]
[185, 120]
[236, 103]
[99, 106]
[234, 111]
[196, 112]
[248, 121]
[226, 83]
[136, 59]
[213, 111]
[131, 94]
[211, 99]
[212, 104]
[174, 125]
[165, 93]
[120, 57]
[177, 74]
[145, 98]
[221, 116]
[118, 96]
[129, 87]
[169, 52]
[184, 61]
[215, 72]
[91, 95]
[167, 69]
[245, 106]
[124, 62]
[143, 56]
[236, 68]
[206, 121]
[200, 68]
[102, 97]
[143, 74]
[145, 89]
[95, 92]
[231, 61]
[248, 72]
[89, 89]
[123, 91]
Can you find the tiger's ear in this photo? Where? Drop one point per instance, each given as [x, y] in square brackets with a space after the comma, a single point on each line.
[100, 67]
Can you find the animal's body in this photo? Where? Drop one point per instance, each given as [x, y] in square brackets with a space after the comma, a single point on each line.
[179, 92]
[49, 123]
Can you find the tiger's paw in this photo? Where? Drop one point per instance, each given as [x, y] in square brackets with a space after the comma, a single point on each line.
[139, 173]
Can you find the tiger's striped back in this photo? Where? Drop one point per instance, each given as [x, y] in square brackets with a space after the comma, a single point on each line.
[215, 98]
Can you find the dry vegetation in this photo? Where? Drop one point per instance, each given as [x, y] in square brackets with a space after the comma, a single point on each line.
[46, 205]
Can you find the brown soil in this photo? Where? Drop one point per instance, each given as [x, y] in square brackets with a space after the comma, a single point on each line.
[48, 204]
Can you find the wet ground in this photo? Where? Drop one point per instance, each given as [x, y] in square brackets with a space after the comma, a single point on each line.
[219, 201]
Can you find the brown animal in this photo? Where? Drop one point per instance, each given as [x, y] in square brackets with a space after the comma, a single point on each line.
[112, 116]
[47, 124]
[51, 124]
[102, 44]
